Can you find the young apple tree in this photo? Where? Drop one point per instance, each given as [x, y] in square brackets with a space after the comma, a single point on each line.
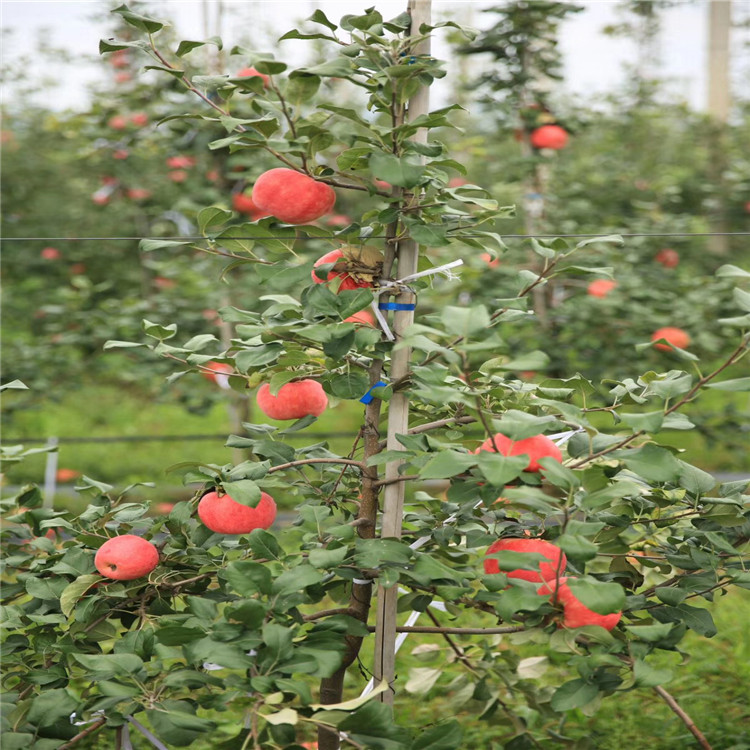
[267, 639]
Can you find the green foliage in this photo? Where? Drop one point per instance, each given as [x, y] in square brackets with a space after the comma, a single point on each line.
[226, 636]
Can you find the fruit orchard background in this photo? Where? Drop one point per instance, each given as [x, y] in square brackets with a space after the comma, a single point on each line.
[642, 166]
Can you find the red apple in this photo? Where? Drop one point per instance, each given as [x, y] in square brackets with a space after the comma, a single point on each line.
[338, 220]
[177, 175]
[117, 122]
[123, 77]
[547, 571]
[78, 268]
[245, 205]
[455, 182]
[120, 153]
[747, 207]
[358, 267]
[217, 372]
[674, 336]
[489, 260]
[126, 557]
[181, 162]
[163, 509]
[160, 282]
[600, 287]
[294, 400]
[109, 180]
[668, 257]
[138, 194]
[67, 475]
[575, 613]
[100, 199]
[292, 197]
[50, 253]
[363, 316]
[536, 447]
[212, 175]
[250, 72]
[119, 58]
[382, 184]
[139, 119]
[226, 516]
[549, 136]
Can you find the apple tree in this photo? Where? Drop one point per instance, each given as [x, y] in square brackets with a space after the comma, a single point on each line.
[555, 555]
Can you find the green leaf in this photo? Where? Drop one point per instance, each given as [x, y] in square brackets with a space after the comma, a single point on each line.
[696, 480]
[448, 464]
[176, 635]
[577, 546]
[499, 469]
[186, 45]
[374, 553]
[559, 475]
[398, 171]
[257, 356]
[212, 216]
[75, 590]
[104, 666]
[651, 462]
[250, 613]
[243, 491]
[285, 716]
[742, 298]
[650, 633]
[297, 579]
[445, 736]
[175, 723]
[732, 272]
[327, 558]
[573, 694]
[51, 706]
[350, 386]
[247, 578]
[648, 422]
[599, 597]
[121, 345]
[264, 544]
[463, 321]
[144, 23]
[157, 331]
[736, 384]
[648, 676]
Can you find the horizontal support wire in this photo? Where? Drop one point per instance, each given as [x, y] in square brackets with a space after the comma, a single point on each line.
[151, 438]
[381, 237]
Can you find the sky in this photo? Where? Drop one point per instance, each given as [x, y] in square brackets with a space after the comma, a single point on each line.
[593, 61]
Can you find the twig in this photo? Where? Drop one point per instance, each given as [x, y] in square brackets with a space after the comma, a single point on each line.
[95, 727]
[455, 631]
[326, 613]
[305, 461]
[686, 720]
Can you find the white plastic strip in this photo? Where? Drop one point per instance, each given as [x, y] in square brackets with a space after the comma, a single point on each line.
[381, 319]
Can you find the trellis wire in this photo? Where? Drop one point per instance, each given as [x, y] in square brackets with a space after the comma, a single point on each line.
[378, 237]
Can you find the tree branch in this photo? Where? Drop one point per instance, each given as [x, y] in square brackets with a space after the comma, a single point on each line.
[95, 727]
[686, 720]
[455, 631]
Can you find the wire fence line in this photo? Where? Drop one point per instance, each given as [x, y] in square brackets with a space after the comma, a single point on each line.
[149, 438]
[188, 238]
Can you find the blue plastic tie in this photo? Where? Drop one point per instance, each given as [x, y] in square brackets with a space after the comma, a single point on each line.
[397, 306]
[368, 397]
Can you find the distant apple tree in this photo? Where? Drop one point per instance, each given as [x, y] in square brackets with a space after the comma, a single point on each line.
[265, 640]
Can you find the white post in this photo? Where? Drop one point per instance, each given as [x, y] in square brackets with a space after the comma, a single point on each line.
[398, 407]
[50, 473]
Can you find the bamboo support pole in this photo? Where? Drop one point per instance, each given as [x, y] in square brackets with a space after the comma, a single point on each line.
[398, 409]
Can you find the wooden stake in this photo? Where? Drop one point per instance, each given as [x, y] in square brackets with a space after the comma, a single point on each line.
[398, 408]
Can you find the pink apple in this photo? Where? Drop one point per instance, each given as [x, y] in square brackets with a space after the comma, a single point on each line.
[117, 122]
[358, 267]
[292, 197]
[668, 257]
[547, 571]
[600, 287]
[536, 448]
[51, 253]
[139, 119]
[549, 136]
[126, 557]
[251, 72]
[675, 337]
[575, 613]
[224, 515]
[294, 400]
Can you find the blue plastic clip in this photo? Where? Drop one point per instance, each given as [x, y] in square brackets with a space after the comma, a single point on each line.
[368, 397]
[397, 306]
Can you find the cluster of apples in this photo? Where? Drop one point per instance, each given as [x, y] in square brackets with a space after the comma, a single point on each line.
[120, 122]
[550, 571]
